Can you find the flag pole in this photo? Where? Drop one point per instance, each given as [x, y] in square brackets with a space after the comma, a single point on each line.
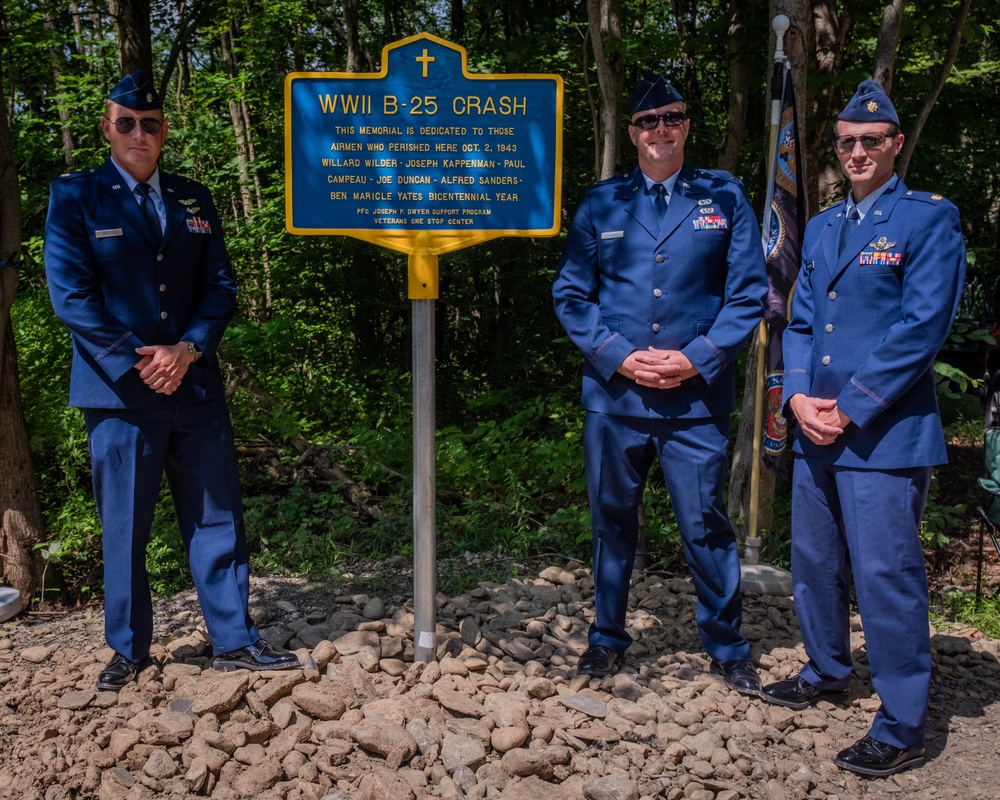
[756, 577]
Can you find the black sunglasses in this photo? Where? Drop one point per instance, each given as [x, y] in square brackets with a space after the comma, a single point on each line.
[651, 121]
[870, 142]
[149, 125]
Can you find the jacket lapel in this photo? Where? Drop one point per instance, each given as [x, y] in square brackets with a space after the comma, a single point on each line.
[640, 205]
[114, 185]
[858, 239]
[682, 203]
[174, 208]
[831, 239]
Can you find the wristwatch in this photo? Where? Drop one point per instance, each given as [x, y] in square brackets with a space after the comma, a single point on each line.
[193, 350]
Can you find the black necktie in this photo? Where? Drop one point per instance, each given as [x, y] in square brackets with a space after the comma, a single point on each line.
[851, 220]
[149, 212]
[659, 200]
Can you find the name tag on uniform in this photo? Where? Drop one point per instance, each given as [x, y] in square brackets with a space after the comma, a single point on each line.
[612, 234]
[108, 232]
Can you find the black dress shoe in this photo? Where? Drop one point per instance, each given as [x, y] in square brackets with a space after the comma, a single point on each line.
[598, 661]
[119, 672]
[799, 693]
[876, 759]
[257, 656]
[740, 676]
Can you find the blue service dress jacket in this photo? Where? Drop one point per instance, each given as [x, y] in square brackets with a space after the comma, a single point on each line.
[867, 322]
[116, 289]
[695, 283]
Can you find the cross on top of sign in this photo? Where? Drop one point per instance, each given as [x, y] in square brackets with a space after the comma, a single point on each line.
[424, 61]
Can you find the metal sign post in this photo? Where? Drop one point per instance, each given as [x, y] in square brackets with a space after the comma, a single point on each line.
[423, 158]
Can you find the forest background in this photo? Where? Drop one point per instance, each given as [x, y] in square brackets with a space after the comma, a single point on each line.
[318, 359]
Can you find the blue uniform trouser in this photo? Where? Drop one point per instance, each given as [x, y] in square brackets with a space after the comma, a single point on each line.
[193, 444]
[866, 522]
[618, 454]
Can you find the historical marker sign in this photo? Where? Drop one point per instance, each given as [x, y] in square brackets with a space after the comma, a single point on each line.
[423, 154]
[423, 158]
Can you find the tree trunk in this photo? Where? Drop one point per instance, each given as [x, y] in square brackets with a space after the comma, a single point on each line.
[606, 36]
[831, 35]
[56, 61]
[686, 16]
[239, 114]
[134, 35]
[353, 39]
[913, 135]
[236, 116]
[457, 20]
[888, 39]
[740, 75]
[740, 477]
[20, 514]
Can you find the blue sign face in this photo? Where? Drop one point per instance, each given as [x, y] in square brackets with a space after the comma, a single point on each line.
[423, 147]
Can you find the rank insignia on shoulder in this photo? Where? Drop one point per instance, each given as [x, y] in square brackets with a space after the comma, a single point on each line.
[713, 223]
[936, 197]
[198, 225]
[882, 244]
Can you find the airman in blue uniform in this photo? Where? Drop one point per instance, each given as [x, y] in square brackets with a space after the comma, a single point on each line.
[660, 283]
[879, 285]
[138, 271]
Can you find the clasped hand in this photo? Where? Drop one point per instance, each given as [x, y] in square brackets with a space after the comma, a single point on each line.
[657, 369]
[819, 419]
[163, 366]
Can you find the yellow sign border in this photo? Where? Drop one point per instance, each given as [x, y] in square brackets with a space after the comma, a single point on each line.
[423, 242]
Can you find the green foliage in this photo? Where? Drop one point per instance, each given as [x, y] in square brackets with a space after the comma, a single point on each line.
[962, 607]
[324, 323]
[51, 553]
[966, 345]
[304, 531]
[940, 518]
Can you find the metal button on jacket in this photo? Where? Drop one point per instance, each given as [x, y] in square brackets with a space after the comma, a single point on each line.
[828, 328]
[159, 256]
[163, 287]
[656, 327]
[163, 315]
[659, 259]
[657, 293]
[826, 360]
[832, 295]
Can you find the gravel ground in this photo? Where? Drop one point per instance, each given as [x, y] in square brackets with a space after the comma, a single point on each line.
[501, 713]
